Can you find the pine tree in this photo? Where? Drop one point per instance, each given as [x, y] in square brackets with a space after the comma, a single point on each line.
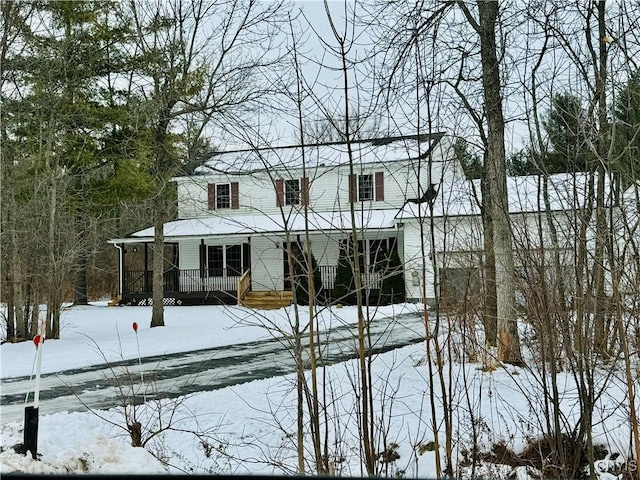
[565, 125]
[627, 128]
[301, 275]
[56, 116]
[344, 285]
[392, 289]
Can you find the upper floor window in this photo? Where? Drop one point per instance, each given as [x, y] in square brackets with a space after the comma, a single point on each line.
[366, 187]
[292, 192]
[223, 195]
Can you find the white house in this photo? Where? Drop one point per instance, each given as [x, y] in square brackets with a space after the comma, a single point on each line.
[236, 212]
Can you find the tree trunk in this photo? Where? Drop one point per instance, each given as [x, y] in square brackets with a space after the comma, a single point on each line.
[55, 319]
[21, 320]
[601, 329]
[11, 317]
[52, 286]
[17, 293]
[157, 314]
[489, 312]
[80, 290]
[507, 339]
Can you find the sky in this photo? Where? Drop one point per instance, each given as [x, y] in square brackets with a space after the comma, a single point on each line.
[248, 428]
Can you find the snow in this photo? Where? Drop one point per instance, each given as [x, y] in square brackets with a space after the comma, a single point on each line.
[455, 198]
[567, 192]
[318, 156]
[252, 224]
[250, 428]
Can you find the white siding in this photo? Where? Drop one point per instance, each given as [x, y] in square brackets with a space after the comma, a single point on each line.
[267, 271]
[189, 256]
[329, 186]
[414, 262]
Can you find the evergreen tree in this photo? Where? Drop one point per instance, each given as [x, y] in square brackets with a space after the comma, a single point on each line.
[56, 116]
[344, 285]
[301, 275]
[393, 288]
[627, 131]
[565, 126]
[522, 163]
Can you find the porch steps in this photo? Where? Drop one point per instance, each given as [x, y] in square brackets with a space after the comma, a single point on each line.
[268, 300]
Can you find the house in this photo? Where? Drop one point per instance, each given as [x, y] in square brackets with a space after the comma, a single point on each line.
[242, 212]
[237, 211]
[552, 220]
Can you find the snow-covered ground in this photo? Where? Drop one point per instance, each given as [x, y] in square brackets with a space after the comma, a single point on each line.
[251, 428]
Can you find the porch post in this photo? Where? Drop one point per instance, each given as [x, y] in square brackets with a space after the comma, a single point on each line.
[146, 267]
[123, 252]
[203, 263]
[120, 248]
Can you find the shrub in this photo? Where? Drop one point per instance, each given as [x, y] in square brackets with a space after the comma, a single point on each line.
[392, 289]
[301, 276]
[344, 286]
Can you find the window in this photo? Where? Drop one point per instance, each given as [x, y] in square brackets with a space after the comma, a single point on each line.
[223, 196]
[215, 261]
[224, 260]
[365, 187]
[234, 260]
[291, 192]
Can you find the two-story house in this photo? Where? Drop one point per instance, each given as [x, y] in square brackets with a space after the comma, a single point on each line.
[237, 211]
[410, 195]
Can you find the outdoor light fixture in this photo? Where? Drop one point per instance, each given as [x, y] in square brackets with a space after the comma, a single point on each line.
[415, 278]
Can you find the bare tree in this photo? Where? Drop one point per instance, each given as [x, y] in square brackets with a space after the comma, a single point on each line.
[203, 59]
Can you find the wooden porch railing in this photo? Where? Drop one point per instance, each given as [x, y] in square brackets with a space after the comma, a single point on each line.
[370, 280]
[185, 281]
[244, 283]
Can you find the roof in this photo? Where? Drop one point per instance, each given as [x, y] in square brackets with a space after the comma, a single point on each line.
[330, 154]
[458, 198]
[566, 191]
[252, 224]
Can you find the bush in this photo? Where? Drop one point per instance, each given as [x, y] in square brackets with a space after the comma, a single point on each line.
[344, 286]
[301, 276]
[392, 289]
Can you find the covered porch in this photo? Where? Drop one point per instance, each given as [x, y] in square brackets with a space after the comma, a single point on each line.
[221, 281]
[217, 260]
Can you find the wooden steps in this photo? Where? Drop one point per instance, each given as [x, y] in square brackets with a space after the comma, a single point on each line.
[267, 300]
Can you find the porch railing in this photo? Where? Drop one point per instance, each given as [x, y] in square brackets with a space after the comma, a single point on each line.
[189, 280]
[244, 283]
[370, 280]
[226, 280]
